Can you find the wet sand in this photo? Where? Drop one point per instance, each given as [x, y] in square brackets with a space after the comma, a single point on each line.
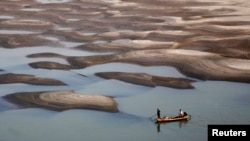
[148, 80]
[63, 100]
[207, 40]
[28, 79]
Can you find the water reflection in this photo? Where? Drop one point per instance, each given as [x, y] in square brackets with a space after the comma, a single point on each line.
[180, 124]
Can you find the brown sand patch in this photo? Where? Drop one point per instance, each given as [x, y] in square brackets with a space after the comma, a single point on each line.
[26, 23]
[192, 63]
[50, 65]
[63, 100]
[154, 28]
[148, 80]
[28, 79]
[16, 41]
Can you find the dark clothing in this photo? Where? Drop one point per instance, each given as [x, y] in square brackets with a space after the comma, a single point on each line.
[158, 113]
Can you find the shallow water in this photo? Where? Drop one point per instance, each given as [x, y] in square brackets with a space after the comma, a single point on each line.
[216, 106]
[211, 102]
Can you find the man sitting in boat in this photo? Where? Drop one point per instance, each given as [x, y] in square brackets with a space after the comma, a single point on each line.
[181, 113]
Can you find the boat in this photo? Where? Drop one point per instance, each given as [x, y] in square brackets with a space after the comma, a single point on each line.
[171, 119]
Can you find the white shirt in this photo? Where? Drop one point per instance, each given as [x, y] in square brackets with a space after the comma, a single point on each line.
[182, 113]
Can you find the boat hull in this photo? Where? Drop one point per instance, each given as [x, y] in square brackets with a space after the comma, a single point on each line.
[171, 119]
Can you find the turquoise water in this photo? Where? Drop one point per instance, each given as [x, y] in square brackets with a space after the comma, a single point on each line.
[211, 102]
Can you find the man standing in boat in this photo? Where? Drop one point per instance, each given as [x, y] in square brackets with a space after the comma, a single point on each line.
[158, 113]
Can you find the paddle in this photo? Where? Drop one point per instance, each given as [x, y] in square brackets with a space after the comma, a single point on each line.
[152, 116]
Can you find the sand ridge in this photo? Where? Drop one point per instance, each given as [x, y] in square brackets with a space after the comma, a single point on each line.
[63, 100]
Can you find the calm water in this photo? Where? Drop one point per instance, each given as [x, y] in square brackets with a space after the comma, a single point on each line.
[211, 102]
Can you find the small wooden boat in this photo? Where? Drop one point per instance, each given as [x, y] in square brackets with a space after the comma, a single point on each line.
[170, 119]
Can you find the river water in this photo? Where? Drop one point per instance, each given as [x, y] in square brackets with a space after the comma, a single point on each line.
[211, 102]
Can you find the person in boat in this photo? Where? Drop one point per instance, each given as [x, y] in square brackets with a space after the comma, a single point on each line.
[181, 113]
[158, 113]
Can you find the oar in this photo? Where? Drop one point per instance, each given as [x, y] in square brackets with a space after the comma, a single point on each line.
[152, 116]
